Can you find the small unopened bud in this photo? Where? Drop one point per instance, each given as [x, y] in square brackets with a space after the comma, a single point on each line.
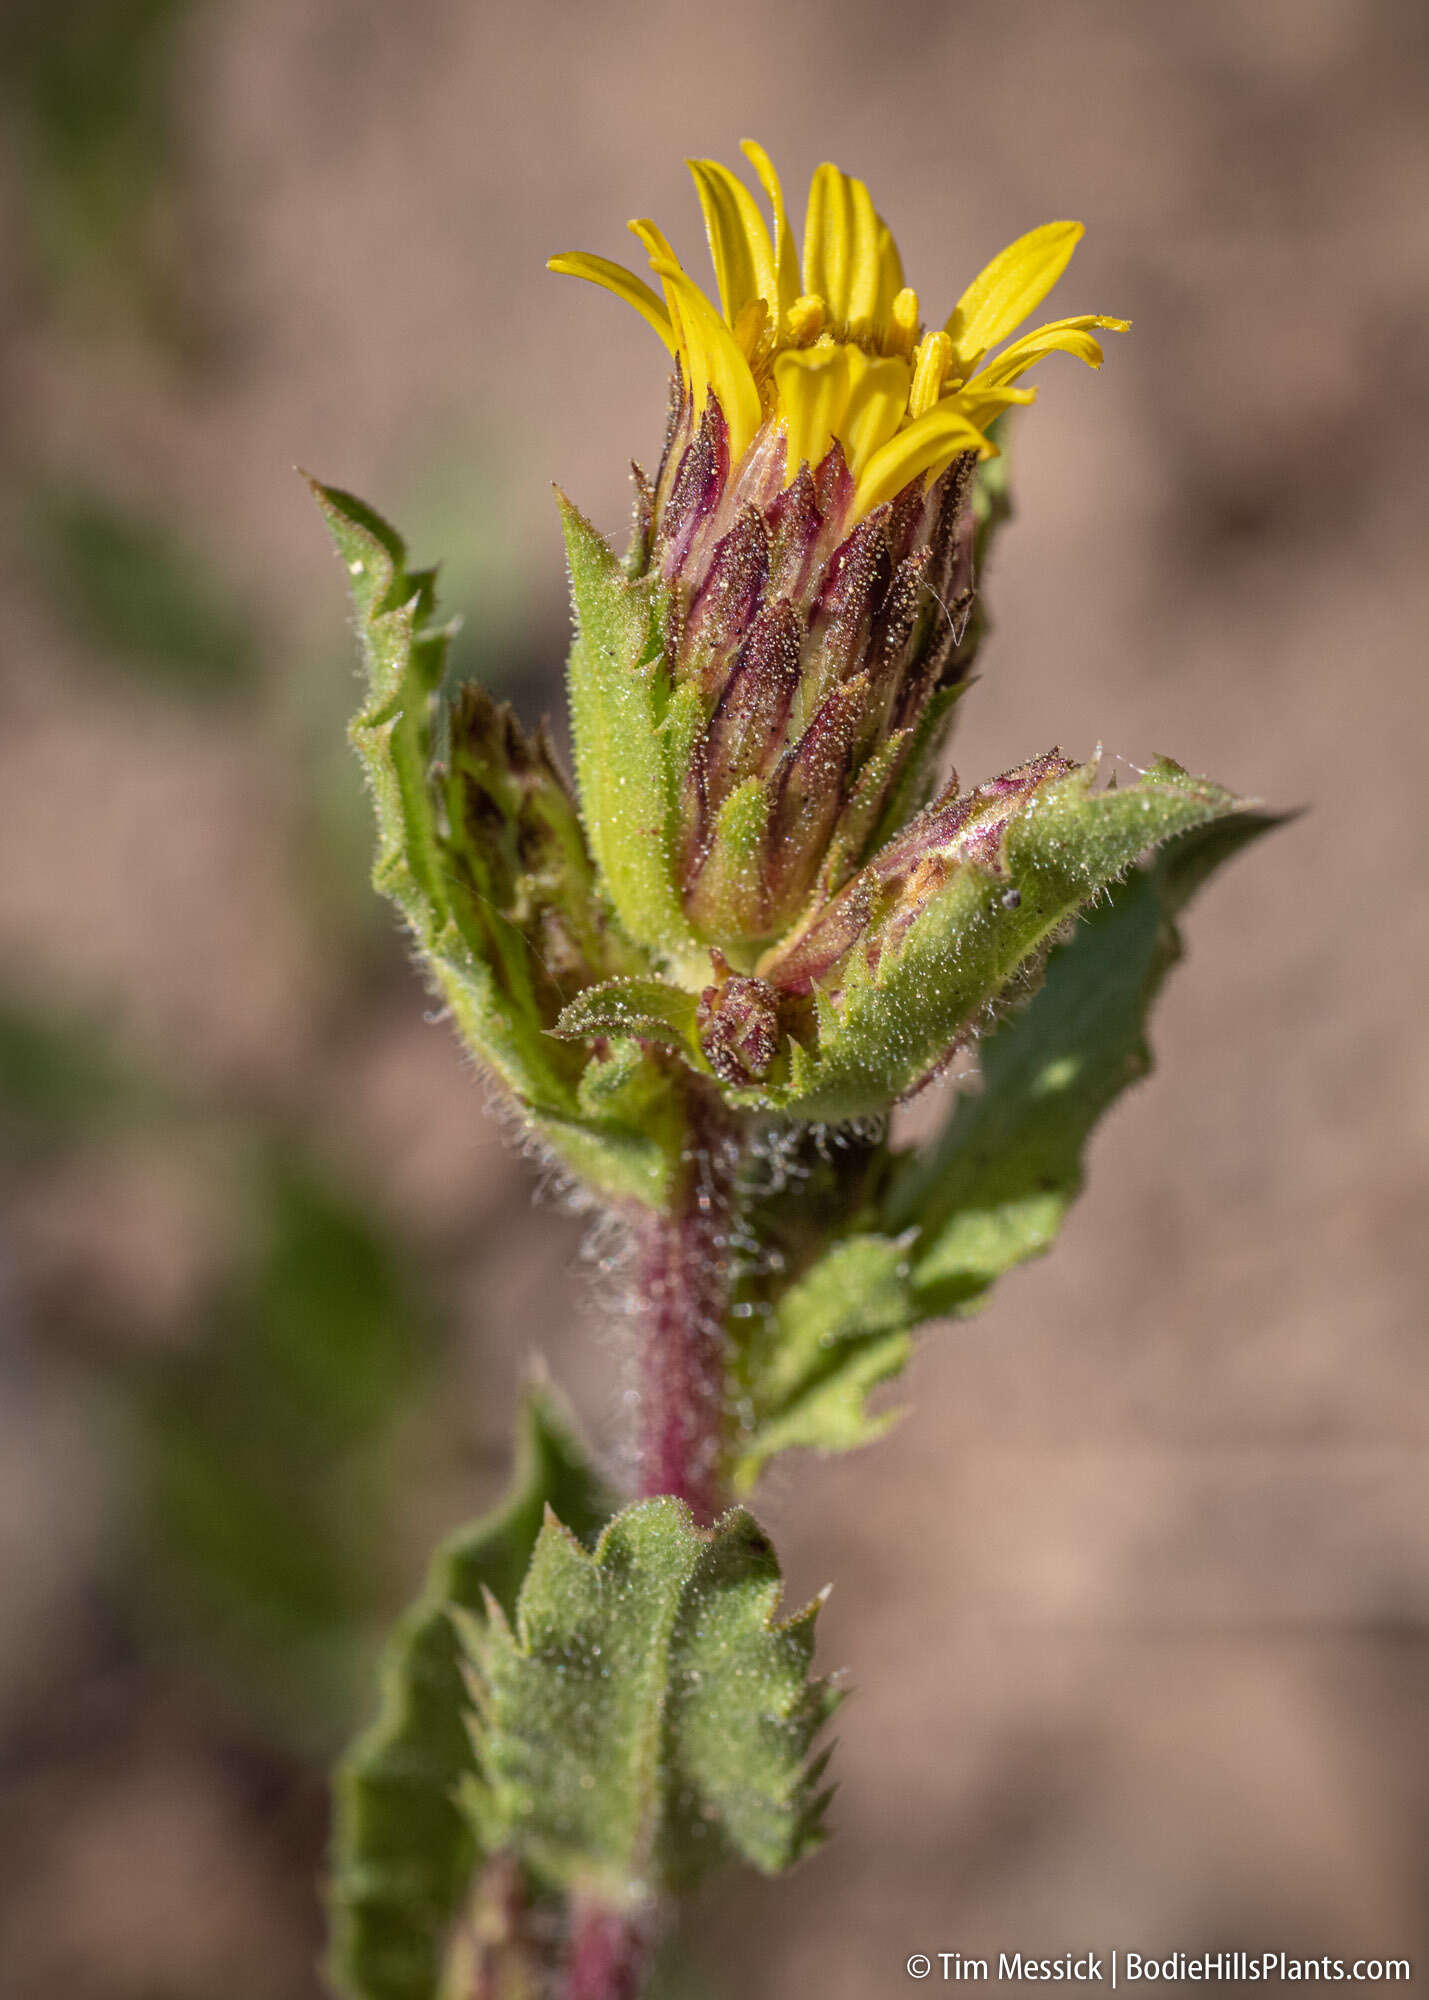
[889, 894]
[738, 1022]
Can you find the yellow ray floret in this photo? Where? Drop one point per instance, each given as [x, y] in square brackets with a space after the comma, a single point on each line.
[830, 346]
[1006, 290]
[739, 242]
[625, 285]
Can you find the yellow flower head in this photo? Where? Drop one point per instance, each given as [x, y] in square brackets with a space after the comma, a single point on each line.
[833, 349]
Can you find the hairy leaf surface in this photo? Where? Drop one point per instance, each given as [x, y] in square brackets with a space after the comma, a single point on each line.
[993, 1189]
[632, 737]
[649, 1008]
[888, 1028]
[833, 1336]
[646, 1718]
[489, 868]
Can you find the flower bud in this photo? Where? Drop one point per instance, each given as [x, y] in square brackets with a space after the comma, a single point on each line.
[807, 548]
[739, 1028]
[754, 887]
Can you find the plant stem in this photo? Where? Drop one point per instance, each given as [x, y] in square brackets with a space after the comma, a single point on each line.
[608, 1954]
[682, 1278]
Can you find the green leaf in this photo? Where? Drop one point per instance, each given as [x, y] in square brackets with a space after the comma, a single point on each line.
[838, 1331]
[632, 737]
[993, 1190]
[403, 1853]
[405, 654]
[492, 926]
[885, 1031]
[649, 1008]
[647, 1719]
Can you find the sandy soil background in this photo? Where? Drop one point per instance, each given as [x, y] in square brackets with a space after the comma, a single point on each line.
[1134, 1600]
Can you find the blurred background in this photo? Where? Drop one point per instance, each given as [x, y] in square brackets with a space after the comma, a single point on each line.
[1134, 1601]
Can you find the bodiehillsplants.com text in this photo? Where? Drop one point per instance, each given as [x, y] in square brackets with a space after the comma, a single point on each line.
[1130, 1968]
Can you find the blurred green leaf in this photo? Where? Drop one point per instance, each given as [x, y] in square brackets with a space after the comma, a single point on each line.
[132, 588]
[59, 1079]
[329, 1315]
[403, 1853]
[87, 84]
[838, 1331]
[261, 1449]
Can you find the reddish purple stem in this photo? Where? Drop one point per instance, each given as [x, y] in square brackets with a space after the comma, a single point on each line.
[682, 1290]
[681, 1296]
[608, 1954]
